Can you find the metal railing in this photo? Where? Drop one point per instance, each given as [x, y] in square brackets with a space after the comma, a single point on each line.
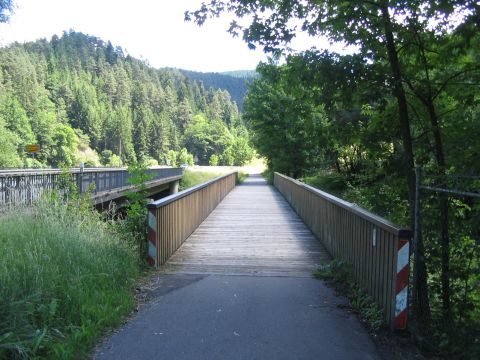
[377, 249]
[26, 186]
[173, 219]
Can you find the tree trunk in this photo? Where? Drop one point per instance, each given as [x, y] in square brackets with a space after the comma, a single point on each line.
[422, 304]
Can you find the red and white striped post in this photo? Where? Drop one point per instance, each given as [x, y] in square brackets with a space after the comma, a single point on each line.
[401, 289]
[152, 238]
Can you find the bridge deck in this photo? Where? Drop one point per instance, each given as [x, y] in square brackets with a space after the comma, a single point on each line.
[253, 231]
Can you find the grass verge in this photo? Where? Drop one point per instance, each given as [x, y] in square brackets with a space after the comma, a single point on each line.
[65, 277]
[339, 274]
[242, 175]
[268, 176]
[193, 178]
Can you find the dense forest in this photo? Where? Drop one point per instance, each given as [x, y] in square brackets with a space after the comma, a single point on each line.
[235, 82]
[364, 125]
[82, 100]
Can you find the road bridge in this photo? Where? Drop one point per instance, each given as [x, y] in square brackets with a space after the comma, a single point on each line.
[24, 186]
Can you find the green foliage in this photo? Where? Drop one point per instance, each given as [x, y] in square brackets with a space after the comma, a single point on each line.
[148, 161]
[213, 160]
[134, 224]
[10, 141]
[242, 176]
[108, 158]
[192, 178]
[66, 276]
[184, 157]
[233, 82]
[289, 133]
[66, 146]
[172, 157]
[205, 138]
[336, 270]
[340, 274]
[268, 175]
[79, 84]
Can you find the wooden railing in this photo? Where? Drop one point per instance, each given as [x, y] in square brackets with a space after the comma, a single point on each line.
[172, 219]
[377, 249]
[26, 186]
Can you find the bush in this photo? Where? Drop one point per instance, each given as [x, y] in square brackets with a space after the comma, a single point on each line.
[184, 157]
[213, 160]
[65, 276]
[268, 175]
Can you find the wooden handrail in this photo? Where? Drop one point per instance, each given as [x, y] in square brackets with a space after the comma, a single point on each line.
[171, 220]
[354, 208]
[377, 249]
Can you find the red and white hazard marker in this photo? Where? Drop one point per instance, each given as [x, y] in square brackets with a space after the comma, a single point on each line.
[152, 239]
[401, 301]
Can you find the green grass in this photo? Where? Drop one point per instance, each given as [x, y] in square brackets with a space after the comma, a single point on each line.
[339, 274]
[65, 277]
[268, 176]
[330, 182]
[242, 175]
[193, 178]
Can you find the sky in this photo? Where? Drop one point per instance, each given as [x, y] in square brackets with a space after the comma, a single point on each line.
[153, 30]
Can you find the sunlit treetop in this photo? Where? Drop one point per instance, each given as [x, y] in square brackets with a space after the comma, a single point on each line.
[274, 23]
[6, 9]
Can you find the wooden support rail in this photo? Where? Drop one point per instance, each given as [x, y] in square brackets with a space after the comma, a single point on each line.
[377, 249]
[172, 219]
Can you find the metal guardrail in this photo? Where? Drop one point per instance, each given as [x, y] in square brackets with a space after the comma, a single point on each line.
[172, 219]
[377, 249]
[19, 187]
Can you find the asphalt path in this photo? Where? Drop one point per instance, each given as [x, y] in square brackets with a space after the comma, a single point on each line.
[240, 317]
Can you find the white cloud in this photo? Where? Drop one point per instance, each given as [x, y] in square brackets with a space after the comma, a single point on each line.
[154, 30]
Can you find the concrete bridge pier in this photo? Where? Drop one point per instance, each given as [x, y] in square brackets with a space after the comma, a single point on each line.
[173, 186]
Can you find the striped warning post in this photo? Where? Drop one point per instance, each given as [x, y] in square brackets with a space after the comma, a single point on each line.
[401, 291]
[152, 239]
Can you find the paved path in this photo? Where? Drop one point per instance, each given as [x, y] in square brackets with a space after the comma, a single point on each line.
[241, 288]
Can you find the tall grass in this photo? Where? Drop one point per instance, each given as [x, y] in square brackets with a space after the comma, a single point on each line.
[65, 276]
[193, 178]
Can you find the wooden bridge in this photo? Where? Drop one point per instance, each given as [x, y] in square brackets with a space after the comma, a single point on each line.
[253, 231]
[283, 230]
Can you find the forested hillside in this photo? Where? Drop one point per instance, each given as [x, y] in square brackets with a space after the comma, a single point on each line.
[82, 99]
[235, 82]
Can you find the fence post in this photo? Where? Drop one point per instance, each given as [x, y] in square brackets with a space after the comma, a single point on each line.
[80, 179]
[401, 288]
[416, 237]
[152, 238]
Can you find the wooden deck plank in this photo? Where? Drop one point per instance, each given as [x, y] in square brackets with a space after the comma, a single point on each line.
[253, 231]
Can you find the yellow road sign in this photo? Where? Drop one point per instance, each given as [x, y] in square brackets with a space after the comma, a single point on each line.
[33, 148]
